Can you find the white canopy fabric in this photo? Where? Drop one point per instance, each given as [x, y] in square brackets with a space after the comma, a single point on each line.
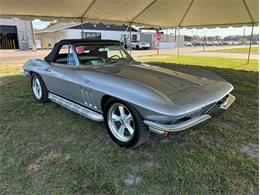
[147, 13]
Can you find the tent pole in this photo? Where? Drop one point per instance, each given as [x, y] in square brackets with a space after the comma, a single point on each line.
[250, 43]
[130, 34]
[140, 34]
[33, 39]
[175, 37]
[81, 24]
[178, 46]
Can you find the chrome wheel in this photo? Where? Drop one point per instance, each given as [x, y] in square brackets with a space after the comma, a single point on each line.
[37, 89]
[121, 122]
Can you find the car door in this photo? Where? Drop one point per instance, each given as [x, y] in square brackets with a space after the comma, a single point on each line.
[62, 75]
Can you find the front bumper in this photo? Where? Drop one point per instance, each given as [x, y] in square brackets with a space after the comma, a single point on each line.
[25, 73]
[216, 110]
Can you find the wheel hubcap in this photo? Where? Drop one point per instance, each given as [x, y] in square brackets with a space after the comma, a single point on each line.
[37, 89]
[121, 122]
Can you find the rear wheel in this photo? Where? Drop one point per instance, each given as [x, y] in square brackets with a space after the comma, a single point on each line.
[137, 47]
[124, 124]
[39, 89]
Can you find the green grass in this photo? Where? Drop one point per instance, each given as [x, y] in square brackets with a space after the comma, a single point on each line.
[46, 149]
[254, 50]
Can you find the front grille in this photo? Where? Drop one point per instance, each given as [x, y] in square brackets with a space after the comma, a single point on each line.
[196, 113]
[200, 111]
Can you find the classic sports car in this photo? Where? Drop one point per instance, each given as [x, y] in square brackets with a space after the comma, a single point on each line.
[100, 80]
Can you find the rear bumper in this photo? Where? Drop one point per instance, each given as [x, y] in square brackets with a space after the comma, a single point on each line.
[216, 110]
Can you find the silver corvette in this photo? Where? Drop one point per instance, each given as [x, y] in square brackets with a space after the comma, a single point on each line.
[101, 81]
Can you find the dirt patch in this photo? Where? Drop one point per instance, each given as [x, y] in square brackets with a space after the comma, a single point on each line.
[250, 150]
[34, 166]
[152, 165]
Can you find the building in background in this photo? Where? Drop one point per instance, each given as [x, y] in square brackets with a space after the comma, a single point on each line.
[46, 38]
[168, 41]
[16, 34]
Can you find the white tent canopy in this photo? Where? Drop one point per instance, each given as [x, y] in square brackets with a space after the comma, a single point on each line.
[148, 13]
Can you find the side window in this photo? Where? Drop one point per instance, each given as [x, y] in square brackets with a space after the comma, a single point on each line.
[134, 38]
[65, 56]
[91, 35]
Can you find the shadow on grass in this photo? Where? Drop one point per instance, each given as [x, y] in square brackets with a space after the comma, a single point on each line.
[53, 150]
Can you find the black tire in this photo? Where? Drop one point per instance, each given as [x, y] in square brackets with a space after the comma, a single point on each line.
[44, 91]
[137, 47]
[141, 132]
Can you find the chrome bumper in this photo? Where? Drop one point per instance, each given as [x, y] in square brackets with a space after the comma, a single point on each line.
[162, 128]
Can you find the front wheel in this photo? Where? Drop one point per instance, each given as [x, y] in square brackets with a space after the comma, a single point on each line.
[124, 124]
[39, 88]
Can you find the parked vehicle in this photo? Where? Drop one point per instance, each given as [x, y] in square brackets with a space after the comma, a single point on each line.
[230, 42]
[197, 43]
[217, 43]
[187, 44]
[209, 43]
[101, 81]
[140, 45]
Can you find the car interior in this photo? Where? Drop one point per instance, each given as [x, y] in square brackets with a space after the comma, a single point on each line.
[90, 55]
[96, 55]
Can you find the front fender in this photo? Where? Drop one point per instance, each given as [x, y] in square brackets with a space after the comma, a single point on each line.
[147, 100]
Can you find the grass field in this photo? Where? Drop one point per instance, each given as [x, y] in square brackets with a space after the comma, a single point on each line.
[46, 149]
[254, 50]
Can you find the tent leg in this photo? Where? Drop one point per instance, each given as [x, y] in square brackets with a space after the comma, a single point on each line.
[33, 39]
[175, 37]
[130, 39]
[178, 45]
[250, 44]
[140, 34]
[81, 23]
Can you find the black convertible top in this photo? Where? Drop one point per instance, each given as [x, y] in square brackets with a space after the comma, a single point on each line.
[78, 41]
[54, 53]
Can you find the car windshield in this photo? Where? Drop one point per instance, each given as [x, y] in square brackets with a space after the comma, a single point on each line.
[101, 54]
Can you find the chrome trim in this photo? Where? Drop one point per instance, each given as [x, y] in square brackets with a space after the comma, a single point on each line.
[76, 108]
[227, 103]
[160, 128]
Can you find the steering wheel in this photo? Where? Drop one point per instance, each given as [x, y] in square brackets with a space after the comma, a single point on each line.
[114, 56]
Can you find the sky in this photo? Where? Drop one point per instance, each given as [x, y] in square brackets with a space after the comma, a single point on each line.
[38, 24]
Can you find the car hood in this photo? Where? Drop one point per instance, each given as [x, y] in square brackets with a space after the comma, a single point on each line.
[182, 85]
